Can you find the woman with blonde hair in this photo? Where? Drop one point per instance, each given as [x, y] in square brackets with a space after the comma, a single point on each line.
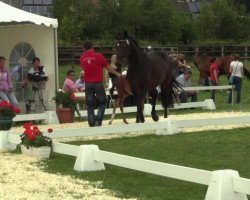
[117, 66]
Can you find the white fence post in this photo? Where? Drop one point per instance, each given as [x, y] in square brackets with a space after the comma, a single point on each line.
[221, 186]
[85, 159]
[147, 109]
[170, 127]
[209, 104]
[4, 141]
[51, 117]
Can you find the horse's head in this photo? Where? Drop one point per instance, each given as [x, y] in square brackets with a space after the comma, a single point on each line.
[123, 46]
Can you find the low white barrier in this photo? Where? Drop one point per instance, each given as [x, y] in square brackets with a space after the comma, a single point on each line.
[49, 117]
[206, 104]
[222, 184]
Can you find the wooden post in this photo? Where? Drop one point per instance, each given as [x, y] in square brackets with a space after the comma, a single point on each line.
[246, 53]
[222, 51]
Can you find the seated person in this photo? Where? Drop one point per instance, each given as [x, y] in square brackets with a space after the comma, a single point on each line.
[6, 87]
[80, 84]
[185, 81]
[69, 86]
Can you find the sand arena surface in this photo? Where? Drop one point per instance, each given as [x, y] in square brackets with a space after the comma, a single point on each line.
[22, 178]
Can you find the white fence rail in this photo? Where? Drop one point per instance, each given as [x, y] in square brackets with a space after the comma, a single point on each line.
[153, 167]
[222, 185]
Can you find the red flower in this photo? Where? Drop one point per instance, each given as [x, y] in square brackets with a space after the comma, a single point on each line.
[50, 130]
[5, 103]
[72, 97]
[35, 128]
[31, 136]
[28, 125]
[28, 132]
[17, 110]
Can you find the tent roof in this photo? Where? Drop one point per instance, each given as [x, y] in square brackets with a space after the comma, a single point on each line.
[11, 16]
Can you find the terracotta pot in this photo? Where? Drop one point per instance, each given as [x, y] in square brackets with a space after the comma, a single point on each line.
[65, 115]
[5, 124]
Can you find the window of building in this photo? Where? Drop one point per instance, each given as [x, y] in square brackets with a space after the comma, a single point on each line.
[19, 64]
[47, 2]
[38, 2]
[33, 9]
[41, 9]
[29, 2]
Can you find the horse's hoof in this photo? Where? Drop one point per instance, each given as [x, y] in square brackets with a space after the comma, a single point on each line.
[155, 118]
[126, 122]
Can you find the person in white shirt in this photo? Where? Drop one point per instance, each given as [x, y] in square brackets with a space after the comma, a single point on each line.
[80, 83]
[185, 81]
[236, 70]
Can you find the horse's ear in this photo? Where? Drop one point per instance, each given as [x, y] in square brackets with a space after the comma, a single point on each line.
[117, 36]
[125, 34]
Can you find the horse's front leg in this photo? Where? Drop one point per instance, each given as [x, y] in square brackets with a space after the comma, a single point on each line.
[139, 103]
[154, 94]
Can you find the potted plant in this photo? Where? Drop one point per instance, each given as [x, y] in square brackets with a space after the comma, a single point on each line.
[34, 143]
[66, 106]
[7, 113]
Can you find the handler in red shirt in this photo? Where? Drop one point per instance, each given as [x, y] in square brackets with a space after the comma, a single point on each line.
[214, 73]
[93, 63]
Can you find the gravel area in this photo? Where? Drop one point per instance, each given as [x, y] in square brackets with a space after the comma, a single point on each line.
[21, 178]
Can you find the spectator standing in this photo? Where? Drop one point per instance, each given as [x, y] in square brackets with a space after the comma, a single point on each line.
[117, 67]
[69, 85]
[237, 71]
[182, 65]
[214, 72]
[93, 64]
[185, 81]
[6, 88]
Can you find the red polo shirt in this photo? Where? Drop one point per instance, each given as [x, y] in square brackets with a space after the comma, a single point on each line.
[214, 67]
[92, 63]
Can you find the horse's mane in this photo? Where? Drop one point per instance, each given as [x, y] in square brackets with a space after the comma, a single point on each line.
[131, 39]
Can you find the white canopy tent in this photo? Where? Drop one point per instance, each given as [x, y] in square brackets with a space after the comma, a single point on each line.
[24, 35]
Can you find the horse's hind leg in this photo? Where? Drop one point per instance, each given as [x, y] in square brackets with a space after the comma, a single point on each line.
[115, 105]
[121, 104]
[154, 94]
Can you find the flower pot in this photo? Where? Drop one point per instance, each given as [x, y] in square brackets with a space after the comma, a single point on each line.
[26, 151]
[38, 152]
[41, 152]
[5, 124]
[65, 115]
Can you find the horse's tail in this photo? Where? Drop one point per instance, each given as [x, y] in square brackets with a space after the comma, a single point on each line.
[169, 92]
[246, 72]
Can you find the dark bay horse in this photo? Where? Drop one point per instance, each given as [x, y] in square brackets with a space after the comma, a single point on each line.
[145, 72]
[203, 63]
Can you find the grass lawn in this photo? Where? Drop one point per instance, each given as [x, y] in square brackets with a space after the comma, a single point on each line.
[208, 150]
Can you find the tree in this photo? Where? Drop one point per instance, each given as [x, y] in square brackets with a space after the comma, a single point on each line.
[222, 20]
